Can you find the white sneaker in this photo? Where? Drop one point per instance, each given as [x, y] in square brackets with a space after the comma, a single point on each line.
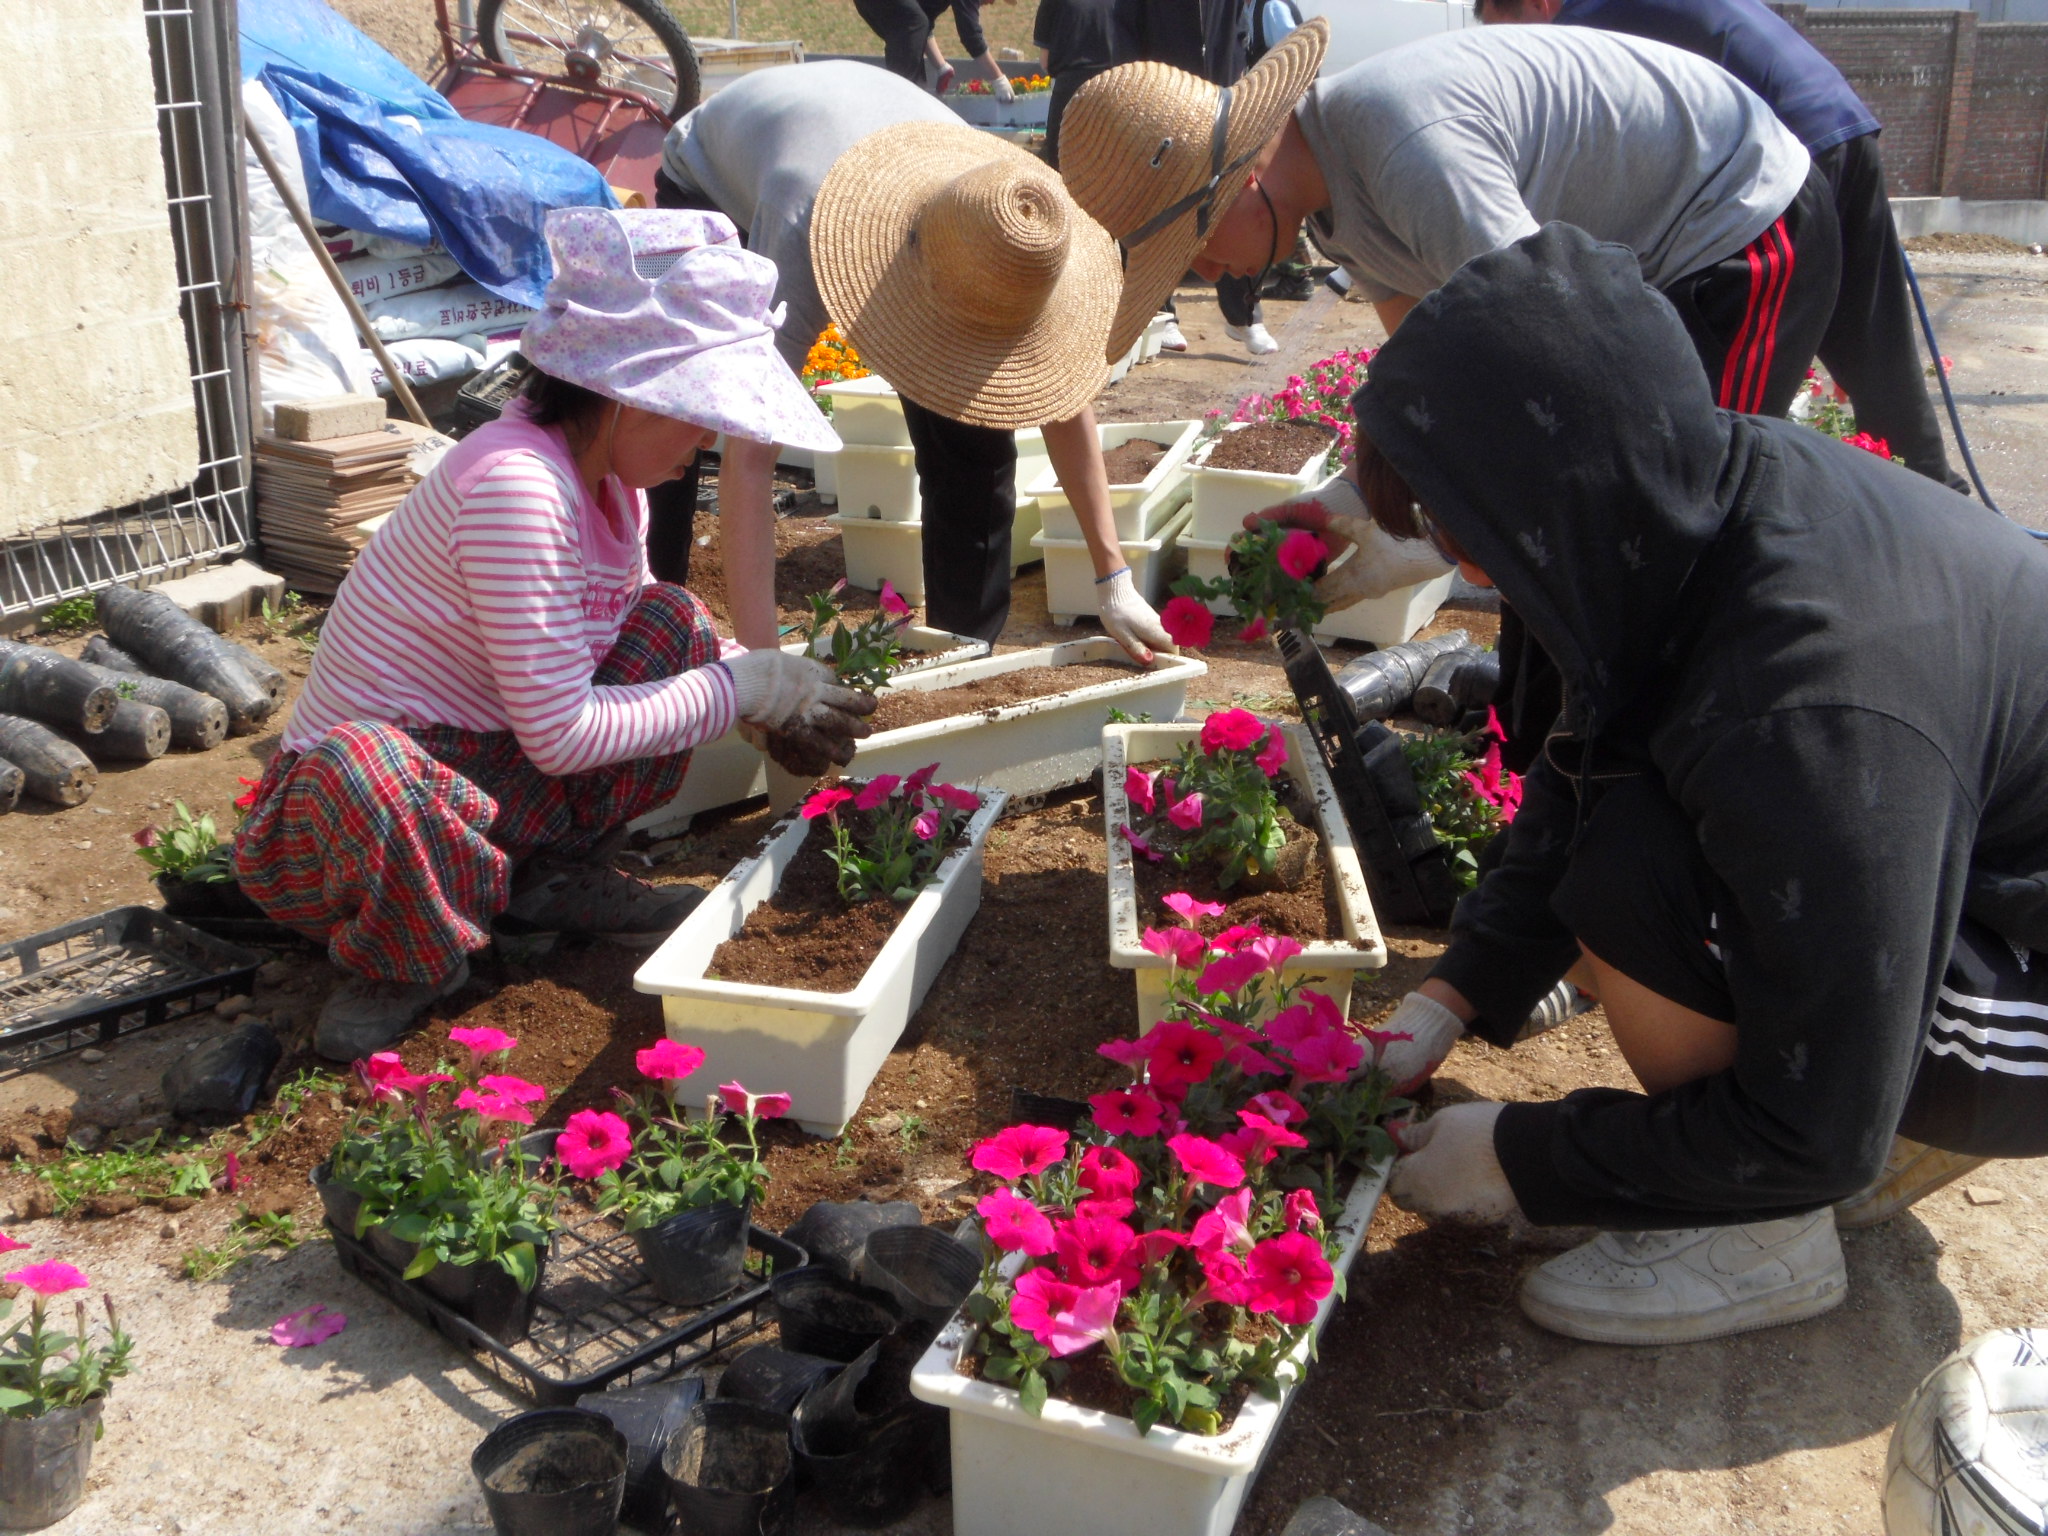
[1170, 338]
[1256, 338]
[1697, 1283]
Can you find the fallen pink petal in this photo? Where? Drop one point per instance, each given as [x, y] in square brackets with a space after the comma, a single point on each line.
[306, 1327]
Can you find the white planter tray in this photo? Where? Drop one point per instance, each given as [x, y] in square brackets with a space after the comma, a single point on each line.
[1138, 508]
[878, 551]
[1036, 745]
[727, 769]
[1070, 570]
[1328, 964]
[1222, 497]
[878, 482]
[867, 411]
[821, 1048]
[1083, 1472]
[1380, 620]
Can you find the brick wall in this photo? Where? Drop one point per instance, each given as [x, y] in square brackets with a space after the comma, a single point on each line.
[1964, 105]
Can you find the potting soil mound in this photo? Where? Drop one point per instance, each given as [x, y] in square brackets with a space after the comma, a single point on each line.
[804, 935]
[554, 1466]
[1308, 911]
[1128, 463]
[910, 707]
[1270, 447]
[1954, 243]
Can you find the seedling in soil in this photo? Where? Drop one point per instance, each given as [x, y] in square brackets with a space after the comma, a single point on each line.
[289, 1102]
[843, 1153]
[1125, 717]
[248, 1235]
[72, 613]
[148, 1170]
[864, 655]
[189, 849]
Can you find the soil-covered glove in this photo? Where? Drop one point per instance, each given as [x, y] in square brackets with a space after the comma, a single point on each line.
[797, 697]
[1004, 91]
[1450, 1168]
[1128, 619]
[1378, 564]
[1434, 1030]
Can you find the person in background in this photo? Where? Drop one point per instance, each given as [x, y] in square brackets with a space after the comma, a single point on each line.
[1870, 346]
[499, 686]
[1076, 41]
[910, 44]
[759, 151]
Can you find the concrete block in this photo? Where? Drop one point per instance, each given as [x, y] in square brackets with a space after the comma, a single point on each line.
[315, 421]
[226, 594]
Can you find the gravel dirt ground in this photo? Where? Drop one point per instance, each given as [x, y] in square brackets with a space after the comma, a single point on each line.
[1435, 1408]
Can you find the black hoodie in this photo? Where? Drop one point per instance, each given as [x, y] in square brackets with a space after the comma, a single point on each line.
[1835, 667]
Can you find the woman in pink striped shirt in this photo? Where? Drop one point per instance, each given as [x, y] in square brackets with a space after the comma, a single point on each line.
[499, 684]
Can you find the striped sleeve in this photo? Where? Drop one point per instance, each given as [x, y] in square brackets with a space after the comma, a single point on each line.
[516, 546]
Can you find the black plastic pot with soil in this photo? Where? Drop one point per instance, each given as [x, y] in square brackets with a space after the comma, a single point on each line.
[863, 1443]
[822, 1313]
[553, 1472]
[43, 1465]
[924, 1269]
[649, 1417]
[485, 1294]
[223, 909]
[835, 1233]
[730, 1471]
[774, 1378]
[694, 1257]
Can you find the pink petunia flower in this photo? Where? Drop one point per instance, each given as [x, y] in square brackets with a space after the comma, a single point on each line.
[876, 791]
[826, 801]
[1273, 756]
[1300, 553]
[386, 1076]
[1191, 908]
[1121, 1209]
[1205, 1162]
[1187, 813]
[483, 1041]
[927, 824]
[1288, 1276]
[491, 1106]
[1187, 621]
[1270, 1133]
[12, 1245]
[1231, 973]
[1274, 950]
[1127, 1112]
[49, 1278]
[1183, 946]
[148, 837]
[1014, 1224]
[762, 1106]
[1138, 789]
[1019, 1150]
[1231, 730]
[966, 801]
[1065, 1318]
[1225, 1226]
[1160, 1243]
[1234, 938]
[1329, 1057]
[1092, 1251]
[1181, 1055]
[1139, 846]
[771, 1106]
[1127, 1053]
[1279, 1107]
[593, 1143]
[306, 1327]
[1107, 1174]
[668, 1061]
[517, 1089]
[1300, 1211]
[1227, 1278]
[891, 601]
[1254, 629]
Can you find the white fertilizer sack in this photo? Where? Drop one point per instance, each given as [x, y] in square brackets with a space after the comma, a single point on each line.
[458, 309]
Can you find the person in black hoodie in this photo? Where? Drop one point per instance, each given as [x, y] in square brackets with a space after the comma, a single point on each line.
[1793, 819]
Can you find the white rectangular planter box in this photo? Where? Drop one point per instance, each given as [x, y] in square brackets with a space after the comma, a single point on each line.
[1082, 1472]
[877, 551]
[878, 483]
[1391, 619]
[1138, 509]
[1024, 530]
[1154, 334]
[821, 1048]
[1029, 747]
[1032, 460]
[1222, 497]
[1328, 964]
[1070, 570]
[868, 412]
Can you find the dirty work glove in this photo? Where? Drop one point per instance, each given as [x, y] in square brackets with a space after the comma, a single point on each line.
[798, 697]
[1450, 1168]
[1004, 91]
[1378, 563]
[1410, 1063]
[1128, 619]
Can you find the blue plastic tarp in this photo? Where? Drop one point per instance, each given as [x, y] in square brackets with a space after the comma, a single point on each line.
[386, 153]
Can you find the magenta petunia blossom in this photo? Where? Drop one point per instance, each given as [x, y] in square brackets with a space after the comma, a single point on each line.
[1187, 621]
[1225, 1226]
[1160, 1244]
[1225, 1273]
[1191, 907]
[1121, 1209]
[762, 1106]
[927, 824]
[1288, 1276]
[1094, 1251]
[825, 801]
[1234, 938]
[1138, 789]
[1186, 813]
[1231, 973]
[491, 1106]
[668, 1061]
[1274, 950]
[771, 1106]
[1019, 1150]
[1279, 1107]
[1329, 1057]
[1254, 629]
[1127, 1112]
[1301, 1211]
[1253, 1062]
[876, 790]
[1014, 1224]
[1231, 730]
[1206, 1163]
[1270, 1133]
[49, 1278]
[483, 1041]
[306, 1327]
[593, 1143]
[1183, 946]
[386, 1076]
[1301, 552]
[1273, 756]
[1139, 846]
[12, 1245]
[966, 801]
[517, 1089]
[891, 601]
[1065, 1318]
[1129, 1053]
[1107, 1174]
[1180, 1055]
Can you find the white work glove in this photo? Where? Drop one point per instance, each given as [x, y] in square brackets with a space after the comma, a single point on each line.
[796, 699]
[1411, 1063]
[1005, 92]
[1450, 1168]
[1128, 619]
[1378, 562]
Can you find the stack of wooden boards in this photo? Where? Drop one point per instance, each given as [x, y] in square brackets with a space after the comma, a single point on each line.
[326, 480]
[157, 679]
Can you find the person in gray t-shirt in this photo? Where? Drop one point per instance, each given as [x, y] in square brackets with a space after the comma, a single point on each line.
[758, 151]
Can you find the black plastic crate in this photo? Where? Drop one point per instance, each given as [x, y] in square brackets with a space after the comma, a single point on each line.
[484, 397]
[103, 977]
[1405, 865]
[596, 1321]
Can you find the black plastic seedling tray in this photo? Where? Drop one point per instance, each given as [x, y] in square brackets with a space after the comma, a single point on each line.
[596, 1321]
[1405, 865]
[102, 977]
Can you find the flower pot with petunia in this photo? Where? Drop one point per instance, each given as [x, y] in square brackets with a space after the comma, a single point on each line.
[53, 1386]
[1240, 806]
[1153, 1281]
[902, 855]
[684, 1188]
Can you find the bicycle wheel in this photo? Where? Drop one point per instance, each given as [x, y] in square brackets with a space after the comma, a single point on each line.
[633, 45]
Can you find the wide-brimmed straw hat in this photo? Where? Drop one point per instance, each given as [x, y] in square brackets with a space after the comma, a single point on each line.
[1156, 156]
[663, 310]
[965, 275]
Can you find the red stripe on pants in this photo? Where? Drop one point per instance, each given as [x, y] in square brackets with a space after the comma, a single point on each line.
[1746, 371]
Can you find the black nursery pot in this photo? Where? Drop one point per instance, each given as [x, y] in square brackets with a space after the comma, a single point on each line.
[927, 1272]
[835, 1232]
[553, 1472]
[649, 1417]
[43, 1465]
[341, 1204]
[885, 1472]
[485, 1294]
[695, 1257]
[774, 1378]
[821, 1314]
[201, 900]
[730, 1471]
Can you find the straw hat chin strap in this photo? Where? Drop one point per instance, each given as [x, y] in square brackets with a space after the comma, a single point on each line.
[1203, 198]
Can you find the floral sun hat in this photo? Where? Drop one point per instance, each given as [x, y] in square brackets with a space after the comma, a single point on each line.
[662, 309]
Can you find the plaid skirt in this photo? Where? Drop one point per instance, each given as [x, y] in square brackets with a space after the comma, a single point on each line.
[396, 846]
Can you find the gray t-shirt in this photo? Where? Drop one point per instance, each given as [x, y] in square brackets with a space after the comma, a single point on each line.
[1443, 150]
[761, 148]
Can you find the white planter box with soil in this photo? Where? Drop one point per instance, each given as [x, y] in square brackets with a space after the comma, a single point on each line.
[1083, 1472]
[1070, 570]
[1140, 506]
[1329, 965]
[1223, 497]
[1380, 621]
[878, 483]
[821, 1048]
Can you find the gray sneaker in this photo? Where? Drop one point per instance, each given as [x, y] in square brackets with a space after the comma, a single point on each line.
[364, 1015]
[594, 900]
